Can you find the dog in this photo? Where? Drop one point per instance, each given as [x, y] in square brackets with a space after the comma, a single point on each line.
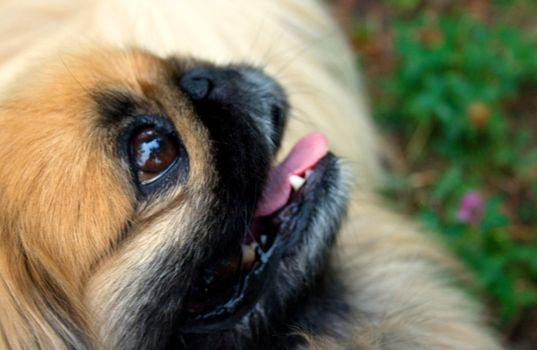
[202, 175]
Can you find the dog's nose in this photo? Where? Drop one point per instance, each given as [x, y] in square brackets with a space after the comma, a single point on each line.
[241, 93]
[197, 83]
[210, 84]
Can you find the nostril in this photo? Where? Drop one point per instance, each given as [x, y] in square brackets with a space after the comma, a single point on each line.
[196, 84]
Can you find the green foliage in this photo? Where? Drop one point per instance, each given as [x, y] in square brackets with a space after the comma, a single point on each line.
[403, 5]
[454, 98]
[445, 67]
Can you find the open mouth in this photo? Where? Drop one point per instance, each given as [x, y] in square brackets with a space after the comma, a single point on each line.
[224, 292]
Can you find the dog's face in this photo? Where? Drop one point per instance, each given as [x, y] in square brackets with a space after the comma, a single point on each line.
[143, 190]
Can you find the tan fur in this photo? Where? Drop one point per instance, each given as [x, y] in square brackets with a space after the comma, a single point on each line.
[402, 283]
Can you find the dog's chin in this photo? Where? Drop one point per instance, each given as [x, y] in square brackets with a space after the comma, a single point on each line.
[275, 264]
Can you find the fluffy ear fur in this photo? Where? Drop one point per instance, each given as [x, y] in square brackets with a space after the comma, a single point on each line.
[402, 283]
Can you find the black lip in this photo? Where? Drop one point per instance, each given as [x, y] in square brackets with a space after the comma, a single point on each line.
[292, 221]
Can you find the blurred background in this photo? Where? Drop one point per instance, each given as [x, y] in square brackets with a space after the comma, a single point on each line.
[453, 86]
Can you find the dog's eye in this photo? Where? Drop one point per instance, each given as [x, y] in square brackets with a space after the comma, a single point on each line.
[153, 152]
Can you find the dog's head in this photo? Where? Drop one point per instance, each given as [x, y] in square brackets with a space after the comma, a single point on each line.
[143, 190]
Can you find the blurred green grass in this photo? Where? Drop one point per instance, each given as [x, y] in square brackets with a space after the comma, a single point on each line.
[453, 86]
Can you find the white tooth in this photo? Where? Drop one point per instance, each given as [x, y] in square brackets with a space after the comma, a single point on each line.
[296, 182]
[308, 173]
[263, 239]
[248, 253]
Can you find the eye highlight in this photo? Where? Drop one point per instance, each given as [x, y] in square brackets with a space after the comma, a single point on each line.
[153, 153]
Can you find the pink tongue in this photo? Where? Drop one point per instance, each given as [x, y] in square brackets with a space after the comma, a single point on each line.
[304, 155]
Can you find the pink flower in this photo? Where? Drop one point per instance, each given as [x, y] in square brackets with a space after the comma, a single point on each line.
[470, 208]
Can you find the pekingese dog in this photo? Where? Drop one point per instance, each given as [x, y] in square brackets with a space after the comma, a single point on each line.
[201, 175]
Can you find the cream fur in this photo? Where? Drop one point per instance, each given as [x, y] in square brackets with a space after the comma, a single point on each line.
[402, 281]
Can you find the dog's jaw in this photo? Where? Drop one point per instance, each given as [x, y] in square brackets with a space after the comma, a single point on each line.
[303, 288]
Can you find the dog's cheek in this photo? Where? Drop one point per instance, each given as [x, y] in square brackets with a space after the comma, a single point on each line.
[65, 213]
[144, 280]
[149, 269]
